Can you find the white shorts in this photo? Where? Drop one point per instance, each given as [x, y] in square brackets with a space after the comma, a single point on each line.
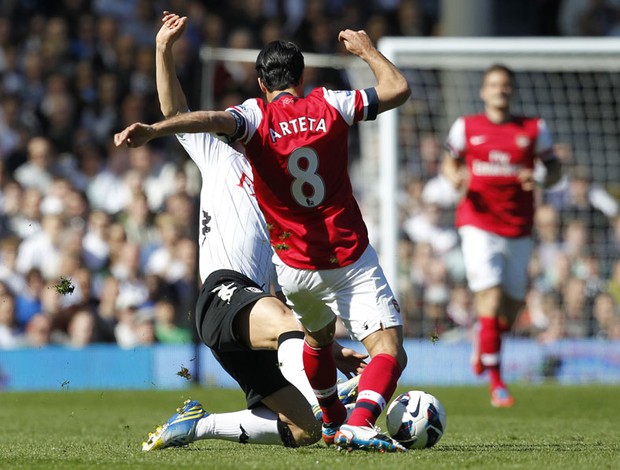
[359, 294]
[491, 260]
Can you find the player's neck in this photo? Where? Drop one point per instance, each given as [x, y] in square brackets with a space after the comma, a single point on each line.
[272, 95]
[497, 116]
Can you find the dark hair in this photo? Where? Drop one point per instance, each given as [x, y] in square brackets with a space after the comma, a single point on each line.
[499, 68]
[280, 65]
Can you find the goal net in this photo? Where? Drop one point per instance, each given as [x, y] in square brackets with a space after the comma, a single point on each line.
[573, 84]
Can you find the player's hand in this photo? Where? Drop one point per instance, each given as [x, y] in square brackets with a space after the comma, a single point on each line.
[349, 361]
[459, 180]
[135, 135]
[356, 42]
[526, 177]
[171, 29]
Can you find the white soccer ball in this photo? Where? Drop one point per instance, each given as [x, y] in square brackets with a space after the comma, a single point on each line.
[416, 419]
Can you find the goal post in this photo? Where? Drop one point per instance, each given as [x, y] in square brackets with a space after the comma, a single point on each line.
[573, 83]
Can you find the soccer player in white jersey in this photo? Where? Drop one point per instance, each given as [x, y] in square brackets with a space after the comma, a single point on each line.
[490, 159]
[298, 149]
[235, 314]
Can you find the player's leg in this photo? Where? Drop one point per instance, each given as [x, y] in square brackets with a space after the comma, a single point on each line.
[269, 324]
[514, 281]
[305, 292]
[484, 263]
[488, 302]
[259, 425]
[229, 314]
[278, 419]
[508, 301]
[370, 312]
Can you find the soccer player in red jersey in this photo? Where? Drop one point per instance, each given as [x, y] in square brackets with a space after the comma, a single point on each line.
[490, 159]
[298, 150]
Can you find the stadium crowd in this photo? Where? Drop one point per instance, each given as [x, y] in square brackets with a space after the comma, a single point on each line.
[117, 222]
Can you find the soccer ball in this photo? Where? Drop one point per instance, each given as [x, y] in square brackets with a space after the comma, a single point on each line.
[416, 419]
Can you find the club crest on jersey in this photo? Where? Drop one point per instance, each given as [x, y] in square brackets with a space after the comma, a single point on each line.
[225, 292]
[522, 141]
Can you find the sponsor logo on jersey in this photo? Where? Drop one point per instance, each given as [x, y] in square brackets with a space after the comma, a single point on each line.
[256, 290]
[477, 139]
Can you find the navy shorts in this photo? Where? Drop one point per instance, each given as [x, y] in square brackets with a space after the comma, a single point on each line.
[223, 295]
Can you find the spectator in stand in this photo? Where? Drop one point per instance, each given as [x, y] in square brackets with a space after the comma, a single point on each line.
[605, 312]
[613, 285]
[28, 300]
[426, 227]
[10, 338]
[81, 330]
[38, 331]
[108, 191]
[106, 310]
[41, 250]
[591, 204]
[9, 276]
[137, 221]
[598, 19]
[37, 171]
[162, 260]
[126, 268]
[546, 229]
[575, 308]
[491, 159]
[167, 330]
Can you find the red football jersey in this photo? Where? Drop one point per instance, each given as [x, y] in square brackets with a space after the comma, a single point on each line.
[298, 148]
[494, 155]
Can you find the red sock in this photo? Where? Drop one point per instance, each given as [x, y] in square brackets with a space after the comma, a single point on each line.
[320, 369]
[490, 343]
[376, 387]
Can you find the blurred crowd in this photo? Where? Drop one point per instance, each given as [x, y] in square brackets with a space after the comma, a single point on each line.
[120, 224]
[574, 273]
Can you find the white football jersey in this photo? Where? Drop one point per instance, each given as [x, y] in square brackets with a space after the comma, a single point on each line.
[232, 230]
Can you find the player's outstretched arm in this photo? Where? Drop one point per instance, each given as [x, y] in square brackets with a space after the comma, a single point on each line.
[139, 134]
[392, 87]
[172, 100]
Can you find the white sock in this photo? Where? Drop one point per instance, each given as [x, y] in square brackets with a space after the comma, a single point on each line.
[290, 357]
[257, 426]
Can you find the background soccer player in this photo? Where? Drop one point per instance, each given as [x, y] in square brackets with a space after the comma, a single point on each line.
[326, 267]
[491, 158]
[235, 315]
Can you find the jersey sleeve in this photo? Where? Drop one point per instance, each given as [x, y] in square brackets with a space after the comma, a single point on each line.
[455, 143]
[544, 142]
[204, 149]
[248, 116]
[354, 105]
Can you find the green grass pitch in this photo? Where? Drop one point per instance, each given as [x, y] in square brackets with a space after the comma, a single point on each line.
[551, 427]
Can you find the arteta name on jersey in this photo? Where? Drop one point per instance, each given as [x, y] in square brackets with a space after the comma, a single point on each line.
[295, 126]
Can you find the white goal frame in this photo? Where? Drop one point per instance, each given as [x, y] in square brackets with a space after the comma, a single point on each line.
[520, 54]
